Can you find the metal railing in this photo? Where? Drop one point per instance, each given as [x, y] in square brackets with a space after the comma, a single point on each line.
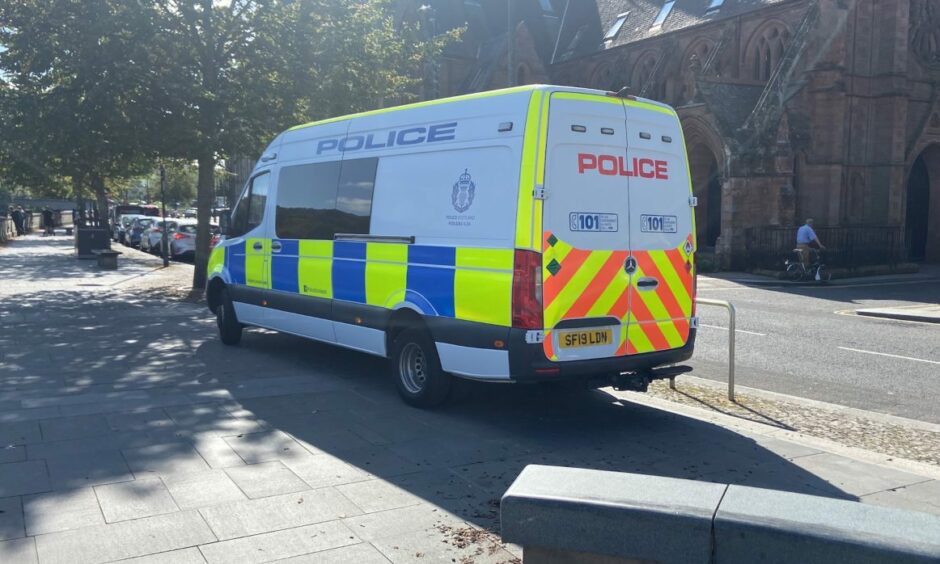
[731, 333]
[846, 247]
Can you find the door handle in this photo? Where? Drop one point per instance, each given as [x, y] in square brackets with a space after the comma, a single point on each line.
[258, 246]
[647, 284]
[276, 247]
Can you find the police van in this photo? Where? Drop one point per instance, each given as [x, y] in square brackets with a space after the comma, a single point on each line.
[530, 234]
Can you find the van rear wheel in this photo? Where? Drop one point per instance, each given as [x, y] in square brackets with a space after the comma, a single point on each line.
[230, 330]
[418, 375]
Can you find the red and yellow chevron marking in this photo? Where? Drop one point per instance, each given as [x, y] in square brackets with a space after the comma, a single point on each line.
[580, 283]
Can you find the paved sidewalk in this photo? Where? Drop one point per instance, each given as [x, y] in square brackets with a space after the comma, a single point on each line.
[927, 313]
[128, 431]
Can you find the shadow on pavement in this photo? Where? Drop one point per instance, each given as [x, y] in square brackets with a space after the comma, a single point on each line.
[105, 388]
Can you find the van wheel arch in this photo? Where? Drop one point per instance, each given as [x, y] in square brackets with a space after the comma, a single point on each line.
[214, 293]
[400, 320]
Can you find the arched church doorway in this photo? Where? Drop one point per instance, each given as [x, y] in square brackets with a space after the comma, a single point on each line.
[923, 205]
[706, 185]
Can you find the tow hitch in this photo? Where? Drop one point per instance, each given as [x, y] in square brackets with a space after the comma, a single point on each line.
[639, 381]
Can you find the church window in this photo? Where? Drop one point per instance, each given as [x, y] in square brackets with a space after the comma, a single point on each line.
[663, 13]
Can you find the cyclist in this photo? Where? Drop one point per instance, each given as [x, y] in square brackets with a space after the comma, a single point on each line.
[806, 240]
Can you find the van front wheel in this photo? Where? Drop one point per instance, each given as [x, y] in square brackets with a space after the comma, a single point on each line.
[418, 375]
[230, 330]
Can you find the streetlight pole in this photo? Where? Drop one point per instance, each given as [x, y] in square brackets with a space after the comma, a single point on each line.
[163, 239]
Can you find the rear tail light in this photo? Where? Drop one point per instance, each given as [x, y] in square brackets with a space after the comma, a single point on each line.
[179, 236]
[527, 290]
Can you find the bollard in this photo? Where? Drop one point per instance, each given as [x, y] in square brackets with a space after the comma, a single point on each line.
[731, 333]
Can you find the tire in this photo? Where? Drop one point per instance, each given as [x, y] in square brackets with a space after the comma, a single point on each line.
[417, 370]
[824, 274]
[795, 272]
[230, 330]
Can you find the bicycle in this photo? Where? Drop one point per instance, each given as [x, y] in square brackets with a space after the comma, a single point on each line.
[796, 271]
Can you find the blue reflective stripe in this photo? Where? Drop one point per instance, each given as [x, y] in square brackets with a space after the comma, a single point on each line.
[235, 261]
[284, 266]
[349, 280]
[436, 285]
[421, 254]
[350, 250]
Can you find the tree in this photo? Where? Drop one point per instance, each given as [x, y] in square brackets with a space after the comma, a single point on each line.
[237, 72]
[76, 93]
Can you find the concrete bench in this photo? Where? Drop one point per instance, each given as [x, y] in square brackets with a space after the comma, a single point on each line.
[578, 516]
[107, 259]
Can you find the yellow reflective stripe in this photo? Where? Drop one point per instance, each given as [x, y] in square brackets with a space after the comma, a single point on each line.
[474, 96]
[609, 297]
[540, 171]
[676, 288]
[315, 268]
[575, 287]
[652, 107]
[524, 226]
[499, 259]
[258, 263]
[638, 337]
[386, 272]
[216, 261]
[587, 97]
[483, 285]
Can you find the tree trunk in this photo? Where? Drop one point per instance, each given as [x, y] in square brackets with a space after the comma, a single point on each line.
[204, 192]
[101, 200]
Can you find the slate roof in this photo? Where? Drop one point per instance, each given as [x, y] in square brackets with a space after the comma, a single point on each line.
[684, 14]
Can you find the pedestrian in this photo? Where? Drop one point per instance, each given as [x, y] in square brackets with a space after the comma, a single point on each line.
[807, 242]
[18, 217]
[48, 222]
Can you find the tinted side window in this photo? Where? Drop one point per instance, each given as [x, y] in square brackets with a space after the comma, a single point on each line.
[259, 198]
[354, 196]
[249, 211]
[240, 215]
[306, 200]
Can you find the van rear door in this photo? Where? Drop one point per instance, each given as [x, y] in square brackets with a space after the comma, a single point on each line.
[616, 229]
[586, 231]
[661, 230]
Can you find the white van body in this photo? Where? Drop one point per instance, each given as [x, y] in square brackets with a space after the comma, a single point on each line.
[527, 234]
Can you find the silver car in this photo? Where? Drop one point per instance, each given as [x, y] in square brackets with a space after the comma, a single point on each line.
[150, 239]
[183, 240]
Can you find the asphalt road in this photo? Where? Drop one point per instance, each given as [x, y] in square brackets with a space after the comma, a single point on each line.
[806, 341]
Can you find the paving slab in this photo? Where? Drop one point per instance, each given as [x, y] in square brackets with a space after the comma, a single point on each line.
[325, 470]
[19, 478]
[266, 446]
[182, 556]
[12, 453]
[923, 497]
[11, 518]
[855, 477]
[397, 522]
[20, 433]
[165, 460]
[362, 553]
[128, 539]
[243, 518]
[133, 500]
[61, 511]
[19, 551]
[378, 495]
[76, 427]
[421, 547]
[202, 489]
[76, 470]
[266, 479]
[278, 545]
[215, 451]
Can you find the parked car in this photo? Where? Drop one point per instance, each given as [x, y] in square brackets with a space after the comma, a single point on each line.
[120, 226]
[136, 229]
[183, 241]
[150, 239]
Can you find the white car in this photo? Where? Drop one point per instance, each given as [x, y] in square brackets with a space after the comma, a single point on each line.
[183, 241]
[150, 239]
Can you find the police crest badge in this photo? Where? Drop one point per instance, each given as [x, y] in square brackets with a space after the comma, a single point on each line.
[462, 195]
